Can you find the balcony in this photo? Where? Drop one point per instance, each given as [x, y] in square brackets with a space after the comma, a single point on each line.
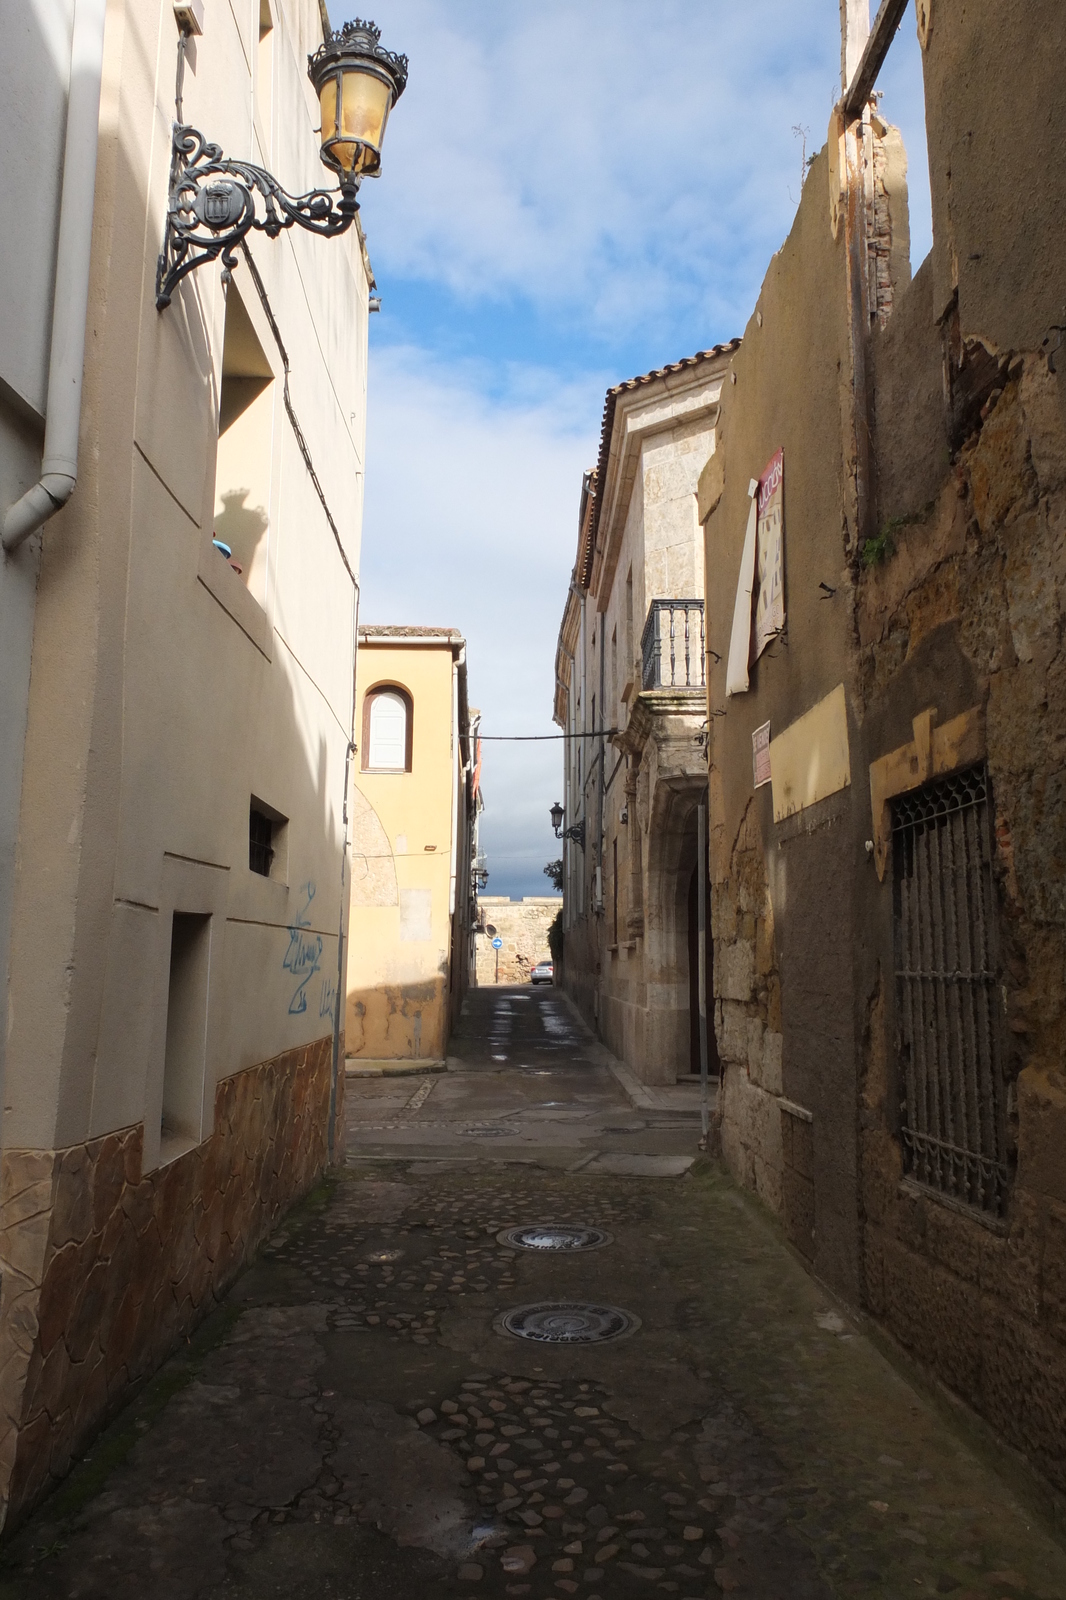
[672, 646]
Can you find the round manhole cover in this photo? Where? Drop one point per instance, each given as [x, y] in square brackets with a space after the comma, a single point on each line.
[567, 1322]
[554, 1236]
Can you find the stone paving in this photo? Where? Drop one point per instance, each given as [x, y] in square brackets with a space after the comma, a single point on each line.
[354, 1424]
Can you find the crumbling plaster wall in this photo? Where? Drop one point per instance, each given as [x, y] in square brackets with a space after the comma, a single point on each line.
[780, 896]
[960, 603]
[968, 608]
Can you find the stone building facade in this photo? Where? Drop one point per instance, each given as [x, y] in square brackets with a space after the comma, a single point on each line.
[173, 844]
[630, 669]
[888, 914]
[523, 926]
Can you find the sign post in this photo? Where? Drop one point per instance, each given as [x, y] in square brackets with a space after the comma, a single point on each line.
[497, 945]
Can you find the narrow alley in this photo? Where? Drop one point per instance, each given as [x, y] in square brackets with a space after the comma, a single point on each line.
[687, 1412]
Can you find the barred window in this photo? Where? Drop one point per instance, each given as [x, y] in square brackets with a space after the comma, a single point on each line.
[952, 1084]
[260, 842]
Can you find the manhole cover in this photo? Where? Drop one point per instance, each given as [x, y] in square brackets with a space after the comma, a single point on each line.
[566, 1322]
[554, 1236]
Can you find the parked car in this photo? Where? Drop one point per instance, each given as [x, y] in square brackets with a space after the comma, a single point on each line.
[543, 972]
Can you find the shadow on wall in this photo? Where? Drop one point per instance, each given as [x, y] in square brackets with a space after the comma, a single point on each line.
[240, 526]
[398, 1021]
[104, 1267]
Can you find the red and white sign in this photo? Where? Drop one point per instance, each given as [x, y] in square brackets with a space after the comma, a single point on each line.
[760, 755]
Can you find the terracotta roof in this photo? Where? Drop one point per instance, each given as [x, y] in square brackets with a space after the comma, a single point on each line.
[599, 474]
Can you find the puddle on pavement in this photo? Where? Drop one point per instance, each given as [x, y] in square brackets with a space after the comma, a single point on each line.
[567, 1322]
[555, 1237]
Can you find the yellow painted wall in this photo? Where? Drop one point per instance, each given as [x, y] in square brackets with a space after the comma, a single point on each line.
[397, 1003]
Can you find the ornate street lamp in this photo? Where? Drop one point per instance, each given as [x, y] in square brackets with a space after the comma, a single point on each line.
[575, 831]
[216, 201]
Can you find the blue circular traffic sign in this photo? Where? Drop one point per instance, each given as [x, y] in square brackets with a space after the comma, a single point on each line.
[497, 944]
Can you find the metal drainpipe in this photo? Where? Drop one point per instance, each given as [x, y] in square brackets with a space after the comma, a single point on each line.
[59, 468]
[458, 661]
[340, 1002]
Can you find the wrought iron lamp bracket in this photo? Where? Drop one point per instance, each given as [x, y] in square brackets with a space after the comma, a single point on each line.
[576, 831]
[215, 202]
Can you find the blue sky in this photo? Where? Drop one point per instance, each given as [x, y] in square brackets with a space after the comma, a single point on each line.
[573, 192]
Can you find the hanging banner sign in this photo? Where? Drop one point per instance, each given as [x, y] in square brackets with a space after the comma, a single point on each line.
[736, 679]
[770, 557]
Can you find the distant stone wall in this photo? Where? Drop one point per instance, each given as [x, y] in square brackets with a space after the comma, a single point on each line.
[523, 926]
[105, 1268]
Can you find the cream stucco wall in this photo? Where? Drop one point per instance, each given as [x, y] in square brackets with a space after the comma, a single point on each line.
[163, 697]
[402, 844]
[36, 37]
[164, 693]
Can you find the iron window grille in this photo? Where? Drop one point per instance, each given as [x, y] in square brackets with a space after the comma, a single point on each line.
[260, 842]
[672, 647]
[953, 1091]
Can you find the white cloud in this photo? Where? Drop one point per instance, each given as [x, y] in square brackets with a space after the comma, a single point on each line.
[600, 158]
[585, 168]
[471, 522]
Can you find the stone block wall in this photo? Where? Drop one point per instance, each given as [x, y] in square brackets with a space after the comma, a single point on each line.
[975, 592]
[747, 1010]
[105, 1267]
[523, 927]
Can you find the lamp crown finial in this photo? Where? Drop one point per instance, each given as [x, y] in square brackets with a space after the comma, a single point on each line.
[356, 26]
[359, 37]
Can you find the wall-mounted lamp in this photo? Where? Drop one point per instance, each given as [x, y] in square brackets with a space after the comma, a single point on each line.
[215, 201]
[576, 831]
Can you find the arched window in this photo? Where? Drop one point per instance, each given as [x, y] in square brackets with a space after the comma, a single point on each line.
[387, 730]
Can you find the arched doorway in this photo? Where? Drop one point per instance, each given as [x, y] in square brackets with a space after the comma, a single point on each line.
[671, 927]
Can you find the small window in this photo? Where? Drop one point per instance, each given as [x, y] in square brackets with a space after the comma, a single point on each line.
[266, 840]
[387, 730]
[186, 1042]
[244, 460]
[260, 842]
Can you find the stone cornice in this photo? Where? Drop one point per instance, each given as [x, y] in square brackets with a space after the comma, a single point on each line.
[652, 713]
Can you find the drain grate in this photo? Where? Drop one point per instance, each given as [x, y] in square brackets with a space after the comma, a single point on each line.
[554, 1236]
[566, 1322]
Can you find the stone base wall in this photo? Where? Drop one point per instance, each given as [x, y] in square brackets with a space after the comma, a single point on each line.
[747, 1013]
[523, 926]
[105, 1268]
[984, 1310]
[751, 1135]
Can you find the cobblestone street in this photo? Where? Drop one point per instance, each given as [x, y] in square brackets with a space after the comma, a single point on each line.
[354, 1422]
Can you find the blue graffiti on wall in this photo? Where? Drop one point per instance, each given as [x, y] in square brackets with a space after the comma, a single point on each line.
[328, 999]
[303, 958]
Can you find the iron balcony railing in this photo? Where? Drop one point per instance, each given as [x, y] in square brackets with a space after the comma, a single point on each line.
[672, 645]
